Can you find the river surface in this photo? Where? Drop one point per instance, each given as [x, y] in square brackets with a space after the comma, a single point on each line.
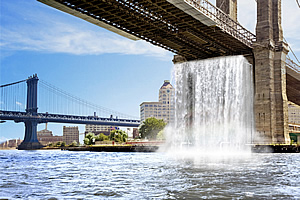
[103, 175]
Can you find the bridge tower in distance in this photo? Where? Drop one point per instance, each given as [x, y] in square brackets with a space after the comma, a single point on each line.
[30, 140]
[271, 110]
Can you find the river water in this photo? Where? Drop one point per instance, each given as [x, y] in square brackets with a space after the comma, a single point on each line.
[102, 175]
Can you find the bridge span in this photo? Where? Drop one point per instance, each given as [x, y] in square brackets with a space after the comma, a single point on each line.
[71, 119]
[293, 81]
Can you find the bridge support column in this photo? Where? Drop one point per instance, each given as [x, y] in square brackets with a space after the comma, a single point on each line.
[271, 114]
[178, 59]
[30, 139]
[229, 7]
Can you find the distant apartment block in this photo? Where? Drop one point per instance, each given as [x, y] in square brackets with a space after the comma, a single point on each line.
[294, 113]
[97, 129]
[46, 137]
[13, 143]
[164, 108]
[71, 134]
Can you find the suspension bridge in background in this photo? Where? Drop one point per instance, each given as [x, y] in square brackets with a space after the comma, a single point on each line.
[58, 107]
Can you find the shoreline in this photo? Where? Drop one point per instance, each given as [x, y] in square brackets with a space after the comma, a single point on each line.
[258, 148]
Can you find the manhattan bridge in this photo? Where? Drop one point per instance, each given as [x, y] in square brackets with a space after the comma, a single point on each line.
[20, 100]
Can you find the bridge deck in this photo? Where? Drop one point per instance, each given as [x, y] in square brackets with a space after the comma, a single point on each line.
[60, 118]
[293, 81]
[163, 24]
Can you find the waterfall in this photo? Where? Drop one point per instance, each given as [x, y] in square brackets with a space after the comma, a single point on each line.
[214, 105]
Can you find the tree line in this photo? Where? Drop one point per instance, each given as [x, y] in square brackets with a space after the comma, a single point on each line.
[151, 128]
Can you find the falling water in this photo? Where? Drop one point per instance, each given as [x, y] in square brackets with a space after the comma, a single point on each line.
[214, 104]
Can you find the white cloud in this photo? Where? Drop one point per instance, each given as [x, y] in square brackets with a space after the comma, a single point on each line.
[47, 32]
[61, 39]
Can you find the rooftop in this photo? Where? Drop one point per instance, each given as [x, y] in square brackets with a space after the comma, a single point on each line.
[166, 85]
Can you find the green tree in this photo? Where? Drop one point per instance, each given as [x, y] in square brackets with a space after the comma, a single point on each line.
[161, 135]
[101, 137]
[73, 144]
[118, 136]
[151, 127]
[63, 144]
[58, 144]
[89, 139]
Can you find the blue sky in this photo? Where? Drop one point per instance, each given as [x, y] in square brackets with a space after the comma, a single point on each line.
[91, 62]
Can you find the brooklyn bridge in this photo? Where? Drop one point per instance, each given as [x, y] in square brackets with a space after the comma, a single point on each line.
[196, 29]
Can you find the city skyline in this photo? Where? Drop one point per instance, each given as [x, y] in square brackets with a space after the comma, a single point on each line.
[91, 62]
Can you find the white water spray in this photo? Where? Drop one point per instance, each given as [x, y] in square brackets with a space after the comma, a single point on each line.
[214, 105]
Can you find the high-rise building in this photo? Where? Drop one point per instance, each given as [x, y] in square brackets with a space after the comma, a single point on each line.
[294, 113]
[71, 134]
[164, 108]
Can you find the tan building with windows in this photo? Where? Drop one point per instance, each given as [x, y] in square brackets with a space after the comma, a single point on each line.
[46, 137]
[71, 134]
[11, 144]
[97, 128]
[294, 113]
[164, 108]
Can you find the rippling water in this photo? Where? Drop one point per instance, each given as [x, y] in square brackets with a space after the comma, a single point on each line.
[102, 175]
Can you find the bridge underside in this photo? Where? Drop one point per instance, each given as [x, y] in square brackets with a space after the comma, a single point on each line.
[170, 25]
[293, 87]
[158, 22]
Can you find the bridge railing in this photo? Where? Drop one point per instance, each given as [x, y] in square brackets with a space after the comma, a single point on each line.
[292, 65]
[224, 21]
[47, 116]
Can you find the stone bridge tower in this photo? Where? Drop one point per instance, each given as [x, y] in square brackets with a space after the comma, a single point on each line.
[271, 111]
[229, 7]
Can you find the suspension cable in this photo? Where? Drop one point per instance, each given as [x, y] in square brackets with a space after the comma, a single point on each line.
[81, 102]
[291, 50]
[297, 1]
[12, 83]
